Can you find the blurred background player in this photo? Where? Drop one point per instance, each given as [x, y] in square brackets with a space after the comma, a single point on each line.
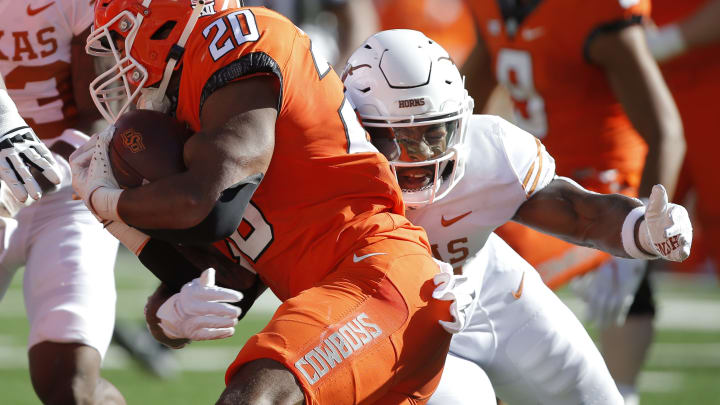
[582, 80]
[335, 26]
[450, 24]
[464, 175]
[686, 43]
[68, 282]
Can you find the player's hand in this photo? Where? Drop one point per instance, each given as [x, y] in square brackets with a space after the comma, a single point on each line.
[610, 290]
[91, 172]
[459, 290]
[20, 149]
[200, 311]
[668, 232]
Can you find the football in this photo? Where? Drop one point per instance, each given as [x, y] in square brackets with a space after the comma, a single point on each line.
[146, 145]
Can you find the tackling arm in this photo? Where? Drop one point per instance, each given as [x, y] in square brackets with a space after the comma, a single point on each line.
[235, 142]
[638, 84]
[565, 209]
[619, 225]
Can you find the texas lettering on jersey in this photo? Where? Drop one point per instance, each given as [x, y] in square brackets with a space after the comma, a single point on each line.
[35, 56]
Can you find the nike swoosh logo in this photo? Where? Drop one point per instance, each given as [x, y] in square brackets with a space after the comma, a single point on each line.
[517, 294]
[357, 258]
[31, 12]
[448, 222]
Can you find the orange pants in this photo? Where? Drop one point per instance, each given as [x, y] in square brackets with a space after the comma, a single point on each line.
[367, 333]
[558, 261]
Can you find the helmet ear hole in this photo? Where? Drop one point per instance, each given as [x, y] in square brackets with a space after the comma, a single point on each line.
[164, 31]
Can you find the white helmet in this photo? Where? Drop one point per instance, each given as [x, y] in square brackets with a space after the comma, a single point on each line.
[412, 101]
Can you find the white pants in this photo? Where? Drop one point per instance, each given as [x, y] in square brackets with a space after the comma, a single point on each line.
[68, 286]
[532, 348]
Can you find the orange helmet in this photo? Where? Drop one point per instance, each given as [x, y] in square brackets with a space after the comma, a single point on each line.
[146, 40]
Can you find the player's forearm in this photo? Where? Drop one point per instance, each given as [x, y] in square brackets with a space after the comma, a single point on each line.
[169, 203]
[566, 210]
[604, 231]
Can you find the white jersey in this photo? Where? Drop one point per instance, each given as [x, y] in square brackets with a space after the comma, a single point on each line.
[68, 283]
[527, 342]
[35, 53]
[505, 167]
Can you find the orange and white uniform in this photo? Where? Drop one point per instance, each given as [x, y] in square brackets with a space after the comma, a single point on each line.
[448, 22]
[324, 230]
[563, 99]
[695, 85]
[68, 283]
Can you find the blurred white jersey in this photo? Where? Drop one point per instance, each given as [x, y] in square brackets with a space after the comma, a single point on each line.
[505, 167]
[68, 283]
[35, 56]
[529, 344]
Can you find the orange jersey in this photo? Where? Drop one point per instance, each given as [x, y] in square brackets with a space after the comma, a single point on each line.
[558, 94]
[448, 22]
[327, 187]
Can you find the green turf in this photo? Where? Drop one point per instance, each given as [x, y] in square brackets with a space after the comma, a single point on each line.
[683, 368]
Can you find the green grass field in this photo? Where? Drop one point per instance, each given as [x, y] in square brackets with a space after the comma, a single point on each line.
[684, 365]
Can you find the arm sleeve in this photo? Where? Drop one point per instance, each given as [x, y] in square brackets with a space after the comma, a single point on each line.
[221, 222]
[533, 166]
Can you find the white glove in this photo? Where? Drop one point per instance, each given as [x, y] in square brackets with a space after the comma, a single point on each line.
[666, 42]
[667, 230]
[93, 180]
[462, 293]
[610, 290]
[21, 149]
[200, 310]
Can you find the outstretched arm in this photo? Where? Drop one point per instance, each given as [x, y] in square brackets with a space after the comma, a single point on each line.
[617, 224]
[566, 210]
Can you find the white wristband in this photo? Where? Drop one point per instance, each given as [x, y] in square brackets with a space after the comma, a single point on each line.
[130, 237]
[104, 202]
[628, 234]
[667, 43]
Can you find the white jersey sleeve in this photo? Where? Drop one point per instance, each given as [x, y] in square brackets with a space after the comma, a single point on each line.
[79, 15]
[530, 161]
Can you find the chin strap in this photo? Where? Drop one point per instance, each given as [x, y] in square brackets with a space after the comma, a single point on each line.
[154, 98]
